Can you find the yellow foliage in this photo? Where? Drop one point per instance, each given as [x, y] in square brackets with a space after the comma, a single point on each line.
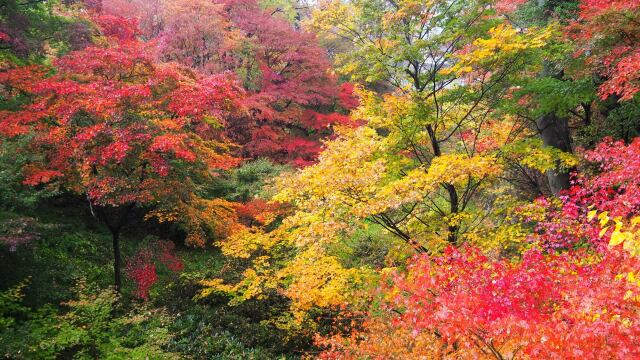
[317, 279]
[626, 234]
[504, 41]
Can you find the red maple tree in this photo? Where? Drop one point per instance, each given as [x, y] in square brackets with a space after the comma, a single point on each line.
[291, 95]
[113, 125]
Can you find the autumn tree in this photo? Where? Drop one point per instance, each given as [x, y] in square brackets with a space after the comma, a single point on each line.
[447, 67]
[463, 304]
[585, 89]
[292, 97]
[110, 124]
[553, 300]
[606, 33]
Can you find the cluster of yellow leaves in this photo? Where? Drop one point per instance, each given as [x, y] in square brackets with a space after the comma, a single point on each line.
[506, 228]
[319, 280]
[623, 233]
[504, 42]
[627, 234]
[452, 169]
[532, 153]
[311, 278]
[341, 185]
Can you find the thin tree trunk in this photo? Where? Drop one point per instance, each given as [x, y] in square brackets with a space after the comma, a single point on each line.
[115, 227]
[452, 236]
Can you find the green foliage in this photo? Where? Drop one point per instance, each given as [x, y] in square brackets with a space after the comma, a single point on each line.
[60, 250]
[212, 329]
[531, 12]
[621, 122]
[198, 334]
[247, 181]
[371, 247]
[38, 30]
[545, 95]
[90, 328]
[12, 193]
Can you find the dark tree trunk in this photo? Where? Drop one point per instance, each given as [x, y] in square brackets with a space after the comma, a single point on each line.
[554, 132]
[452, 236]
[454, 202]
[114, 223]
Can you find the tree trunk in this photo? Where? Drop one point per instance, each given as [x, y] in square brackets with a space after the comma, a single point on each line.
[554, 132]
[117, 259]
[115, 227]
[452, 236]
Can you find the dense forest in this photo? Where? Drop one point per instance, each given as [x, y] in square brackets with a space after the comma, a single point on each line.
[332, 179]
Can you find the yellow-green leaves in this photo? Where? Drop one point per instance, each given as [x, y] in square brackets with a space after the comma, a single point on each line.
[533, 154]
[503, 43]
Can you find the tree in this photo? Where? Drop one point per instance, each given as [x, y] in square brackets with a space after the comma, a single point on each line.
[121, 130]
[554, 300]
[464, 304]
[291, 96]
[447, 85]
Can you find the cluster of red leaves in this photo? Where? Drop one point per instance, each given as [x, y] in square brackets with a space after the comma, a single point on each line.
[508, 6]
[294, 77]
[613, 186]
[113, 123]
[141, 268]
[606, 32]
[286, 73]
[568, 306]
[594, 8]
[142, 271]
[616, 185]
[258, 211]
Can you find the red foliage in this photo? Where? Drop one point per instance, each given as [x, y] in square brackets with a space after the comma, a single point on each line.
[286, 73]
[4, 37]
[113, 124]
[168, 257]
[594, 8]
[142, 271]
[117, 26]
[607, 31]
[141, 268]
[348, 99]
[569, 306]
[613, 186]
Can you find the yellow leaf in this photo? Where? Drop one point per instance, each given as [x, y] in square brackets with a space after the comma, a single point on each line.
[604, 218]
[617, 238]
[604, 230]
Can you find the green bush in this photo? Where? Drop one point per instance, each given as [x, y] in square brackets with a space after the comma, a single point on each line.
[91, 327]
